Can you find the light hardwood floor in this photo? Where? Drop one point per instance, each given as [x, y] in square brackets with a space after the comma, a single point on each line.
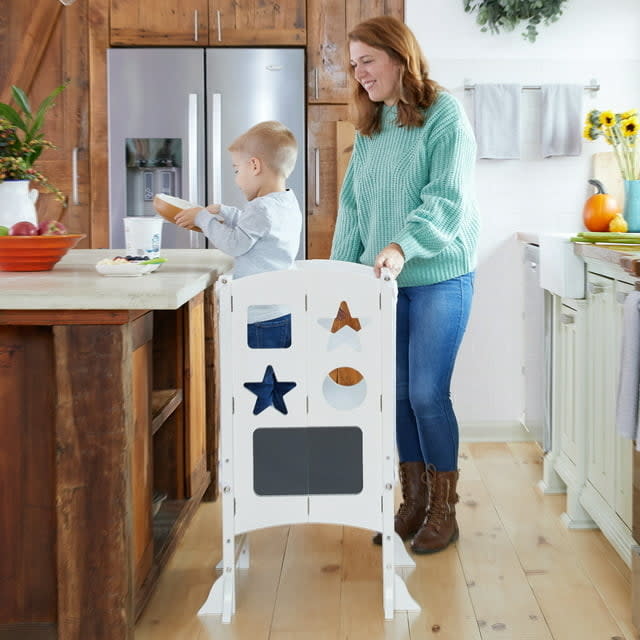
[515, 574]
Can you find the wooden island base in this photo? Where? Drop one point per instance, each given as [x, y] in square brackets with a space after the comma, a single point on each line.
[99, 410]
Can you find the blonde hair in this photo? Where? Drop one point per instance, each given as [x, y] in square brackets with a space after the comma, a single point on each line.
[270, 142]
[418, 90]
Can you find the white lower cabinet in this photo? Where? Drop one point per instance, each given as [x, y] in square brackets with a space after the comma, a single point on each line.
[569, 403]
[587, 454]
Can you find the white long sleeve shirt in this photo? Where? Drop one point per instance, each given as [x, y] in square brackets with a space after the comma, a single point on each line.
[264, 236]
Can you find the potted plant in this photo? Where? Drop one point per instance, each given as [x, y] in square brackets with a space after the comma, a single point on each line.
[21, 143]
[494, 15]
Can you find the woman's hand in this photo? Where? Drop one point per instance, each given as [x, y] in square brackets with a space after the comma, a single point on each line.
[391, 257]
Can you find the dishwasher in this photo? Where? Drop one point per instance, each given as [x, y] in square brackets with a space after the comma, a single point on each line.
[538, 319]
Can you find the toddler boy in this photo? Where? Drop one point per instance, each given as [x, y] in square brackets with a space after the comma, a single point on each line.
[265, 235]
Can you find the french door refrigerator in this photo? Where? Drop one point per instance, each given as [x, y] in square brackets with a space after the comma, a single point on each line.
[174, 112]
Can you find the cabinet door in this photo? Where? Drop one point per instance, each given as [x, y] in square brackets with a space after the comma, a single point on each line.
[569, 383]
[159, 22]
[602, 385]
[623, 449]
[327, 47]
[323, 166]
[56, 53]
[257, 22]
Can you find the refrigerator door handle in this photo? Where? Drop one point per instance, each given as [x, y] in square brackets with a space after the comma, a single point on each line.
[216, 148]
[192, 141]
[195, 241]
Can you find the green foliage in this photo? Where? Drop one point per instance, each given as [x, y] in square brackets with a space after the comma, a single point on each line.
[22, 139]
[496, 15]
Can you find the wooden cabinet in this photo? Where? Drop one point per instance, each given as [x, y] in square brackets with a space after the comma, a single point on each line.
[119, 413]
[601, 384]
[610, 456]
[327, 46]
[590, 458]
[52, 49]
[159, 23]
[207, 22]
[569, 400]
[324, 149]
[257, 22]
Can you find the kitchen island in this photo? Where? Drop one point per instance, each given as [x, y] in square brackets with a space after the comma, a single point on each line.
[107, 399]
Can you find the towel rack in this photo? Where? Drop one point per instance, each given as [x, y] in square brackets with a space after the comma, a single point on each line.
[592, 86]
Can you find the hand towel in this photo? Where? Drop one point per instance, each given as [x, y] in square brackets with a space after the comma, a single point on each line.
[561, 130]
[629, 378]
[497, 120]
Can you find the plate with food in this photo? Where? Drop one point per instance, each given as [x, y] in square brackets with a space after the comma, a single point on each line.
[128, 266]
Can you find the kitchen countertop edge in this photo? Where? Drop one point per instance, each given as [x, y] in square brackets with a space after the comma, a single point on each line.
[74, 283]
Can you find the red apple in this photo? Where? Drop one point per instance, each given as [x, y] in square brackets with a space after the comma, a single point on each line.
[23, 228]
[51, 228]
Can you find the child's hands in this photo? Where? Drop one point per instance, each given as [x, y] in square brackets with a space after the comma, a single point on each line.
[186, 218]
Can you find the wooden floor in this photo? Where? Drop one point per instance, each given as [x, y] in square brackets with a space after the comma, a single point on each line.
[515, 574]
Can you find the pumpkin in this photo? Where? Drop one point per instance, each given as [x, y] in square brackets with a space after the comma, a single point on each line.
[599, 209]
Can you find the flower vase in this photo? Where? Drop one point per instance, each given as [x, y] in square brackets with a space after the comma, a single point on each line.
[632, 204]
[17, 202]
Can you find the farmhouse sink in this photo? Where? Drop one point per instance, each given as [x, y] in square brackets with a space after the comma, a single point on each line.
[562, 272]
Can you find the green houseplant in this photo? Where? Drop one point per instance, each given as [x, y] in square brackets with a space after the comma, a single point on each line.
[505, 15]
[22, 139]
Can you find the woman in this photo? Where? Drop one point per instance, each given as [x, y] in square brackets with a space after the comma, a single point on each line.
[407, 204]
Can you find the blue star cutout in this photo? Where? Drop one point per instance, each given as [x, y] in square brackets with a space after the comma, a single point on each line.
[269, 392]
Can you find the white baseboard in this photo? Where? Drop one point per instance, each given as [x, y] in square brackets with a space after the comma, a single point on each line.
[494, 432]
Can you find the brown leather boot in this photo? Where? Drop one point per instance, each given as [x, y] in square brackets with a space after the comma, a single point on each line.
[410, 516]
[439, 528]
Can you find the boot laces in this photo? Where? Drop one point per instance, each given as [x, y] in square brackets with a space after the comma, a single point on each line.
[439, 509]
[405, 508]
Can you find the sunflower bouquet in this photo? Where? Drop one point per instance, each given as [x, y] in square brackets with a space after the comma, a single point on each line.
[620, 130]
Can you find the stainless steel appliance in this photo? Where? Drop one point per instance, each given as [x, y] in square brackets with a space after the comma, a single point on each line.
[174, 112]
[538, 321]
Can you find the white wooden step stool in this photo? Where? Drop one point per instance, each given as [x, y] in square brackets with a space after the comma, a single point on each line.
[296, 446]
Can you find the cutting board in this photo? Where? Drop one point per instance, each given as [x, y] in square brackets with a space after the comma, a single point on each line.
[605, 169]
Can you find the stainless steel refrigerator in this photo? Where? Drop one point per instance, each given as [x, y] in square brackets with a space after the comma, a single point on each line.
[174, 112]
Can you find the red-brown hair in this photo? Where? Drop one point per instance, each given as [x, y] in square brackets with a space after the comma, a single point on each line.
[418, 91]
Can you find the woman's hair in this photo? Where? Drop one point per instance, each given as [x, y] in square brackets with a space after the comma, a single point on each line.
[417, 91]
[272, 143]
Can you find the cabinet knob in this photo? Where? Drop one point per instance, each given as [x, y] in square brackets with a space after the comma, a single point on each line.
[566, 318]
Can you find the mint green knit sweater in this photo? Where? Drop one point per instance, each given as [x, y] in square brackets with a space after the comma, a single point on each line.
[413, 186]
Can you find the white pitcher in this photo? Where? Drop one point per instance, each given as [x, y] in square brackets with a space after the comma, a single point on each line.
[17, 202]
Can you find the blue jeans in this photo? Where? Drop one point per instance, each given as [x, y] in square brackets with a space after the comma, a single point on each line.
[270, 334]
[431, 321]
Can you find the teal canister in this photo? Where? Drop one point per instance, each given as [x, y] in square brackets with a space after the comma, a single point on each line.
[632, 204]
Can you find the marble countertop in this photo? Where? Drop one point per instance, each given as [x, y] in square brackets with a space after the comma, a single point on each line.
[74, 283]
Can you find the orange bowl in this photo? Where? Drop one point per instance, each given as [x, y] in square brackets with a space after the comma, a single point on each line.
[169, 207]
[35, 253]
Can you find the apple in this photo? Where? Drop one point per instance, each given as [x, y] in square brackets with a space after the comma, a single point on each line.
[51, 228]
[23, 228]
[4, 231]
